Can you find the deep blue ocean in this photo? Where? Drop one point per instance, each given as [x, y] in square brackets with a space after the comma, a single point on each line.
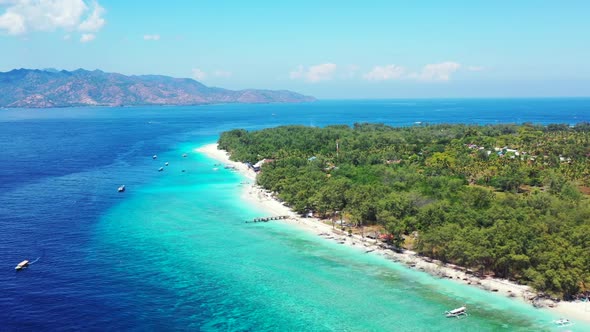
[173, 253]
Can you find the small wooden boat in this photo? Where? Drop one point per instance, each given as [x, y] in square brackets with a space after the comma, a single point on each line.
[462, 311]
[121, 189]
[22, 265]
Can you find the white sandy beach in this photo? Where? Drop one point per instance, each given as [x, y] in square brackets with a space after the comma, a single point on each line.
[265, 201]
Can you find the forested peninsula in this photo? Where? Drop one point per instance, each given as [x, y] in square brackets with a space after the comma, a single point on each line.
[504, 200]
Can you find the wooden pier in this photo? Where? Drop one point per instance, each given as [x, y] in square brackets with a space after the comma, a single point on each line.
[267, 219]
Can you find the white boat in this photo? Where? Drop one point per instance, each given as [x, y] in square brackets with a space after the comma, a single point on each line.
[563, 322]
[462, 311]
[160, 169]
[22, 265]
[155, 156]
[121, 189]
[166, 164]
[184, 155]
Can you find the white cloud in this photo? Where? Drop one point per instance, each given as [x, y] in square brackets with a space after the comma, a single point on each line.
[327, 71]
[87, 37]
[222, 73]
[476, 68]
[436, 71]
[385, 73]
[151, 37]
[198, 74]
[22, 16]
[13, 23]
[94, 21]
[317, 73]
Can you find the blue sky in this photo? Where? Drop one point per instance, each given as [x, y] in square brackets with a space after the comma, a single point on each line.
[329, 49]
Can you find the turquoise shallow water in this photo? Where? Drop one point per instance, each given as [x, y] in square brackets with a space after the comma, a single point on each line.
[172, 252]
[184, 237]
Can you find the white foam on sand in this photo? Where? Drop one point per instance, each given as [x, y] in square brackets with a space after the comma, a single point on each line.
[265, 201]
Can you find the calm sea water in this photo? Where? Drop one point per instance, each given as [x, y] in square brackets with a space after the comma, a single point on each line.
[173, 253]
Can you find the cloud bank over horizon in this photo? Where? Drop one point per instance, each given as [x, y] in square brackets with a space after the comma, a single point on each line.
[435, 72]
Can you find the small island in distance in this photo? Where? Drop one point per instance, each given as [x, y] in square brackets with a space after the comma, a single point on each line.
[34, 88]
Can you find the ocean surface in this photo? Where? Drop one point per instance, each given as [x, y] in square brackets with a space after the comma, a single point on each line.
[173, 251]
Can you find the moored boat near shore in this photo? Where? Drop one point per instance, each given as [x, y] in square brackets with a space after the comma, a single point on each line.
[461, 311]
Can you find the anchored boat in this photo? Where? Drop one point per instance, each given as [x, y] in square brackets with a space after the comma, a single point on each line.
[22, 265]
[121, 189]
[462, 311]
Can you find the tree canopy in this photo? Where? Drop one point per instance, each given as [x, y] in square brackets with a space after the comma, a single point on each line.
[504, 199]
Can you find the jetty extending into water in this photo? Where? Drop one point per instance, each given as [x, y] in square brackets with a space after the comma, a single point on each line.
[267, 219]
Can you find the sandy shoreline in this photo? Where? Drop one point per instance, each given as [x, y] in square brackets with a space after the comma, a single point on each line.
[264, 200]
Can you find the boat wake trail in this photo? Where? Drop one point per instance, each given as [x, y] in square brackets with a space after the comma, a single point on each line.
[38, 258]
[35, 261]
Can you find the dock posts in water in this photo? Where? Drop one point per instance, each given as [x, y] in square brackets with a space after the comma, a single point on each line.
[267, 219]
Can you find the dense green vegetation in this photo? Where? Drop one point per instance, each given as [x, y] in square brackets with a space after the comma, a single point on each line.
[501, 199]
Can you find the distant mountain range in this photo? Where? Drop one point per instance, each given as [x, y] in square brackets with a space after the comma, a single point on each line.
[53, 88]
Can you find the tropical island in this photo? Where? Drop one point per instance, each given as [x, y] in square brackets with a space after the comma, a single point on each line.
[509, 201]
